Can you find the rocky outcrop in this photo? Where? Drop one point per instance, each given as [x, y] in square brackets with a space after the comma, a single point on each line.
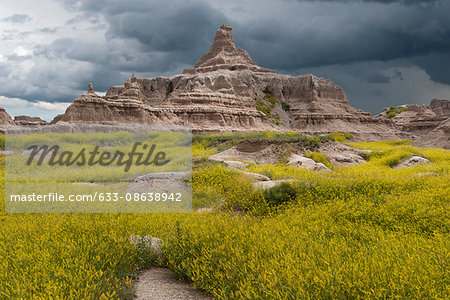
[306, 163]
[5, 118]
[223, 56]
[427, 124]
[29, 121]
[441, 107]
[436, 138]
[221, 93]
[412, 161]
[413, 118]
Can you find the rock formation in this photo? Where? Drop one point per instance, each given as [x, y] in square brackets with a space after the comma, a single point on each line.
[428, 124]
[29, 121]
[223, 56]
[440, 107]
[221, 93]
[5, 118]
[436, 138]
[413, 118]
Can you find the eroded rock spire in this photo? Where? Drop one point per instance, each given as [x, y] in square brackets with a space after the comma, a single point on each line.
[222, 55]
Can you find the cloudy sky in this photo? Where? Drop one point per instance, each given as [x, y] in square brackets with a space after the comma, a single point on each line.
[382, 52]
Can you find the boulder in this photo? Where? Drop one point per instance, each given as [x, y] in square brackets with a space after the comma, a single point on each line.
[321, 167]
[235, 164]
[306, 163]
[412, 161]
[255, 176]
[346, 159]
[147, 242]
[301, 161]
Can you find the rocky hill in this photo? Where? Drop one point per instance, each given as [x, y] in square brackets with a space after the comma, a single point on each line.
[426, 123]
[5, 119]
[227, 91]
[438, 137]
[29, 121]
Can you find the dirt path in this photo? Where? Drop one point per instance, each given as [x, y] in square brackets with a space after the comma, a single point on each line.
[161, 283]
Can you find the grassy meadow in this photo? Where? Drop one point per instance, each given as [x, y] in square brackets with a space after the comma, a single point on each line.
[365, 231]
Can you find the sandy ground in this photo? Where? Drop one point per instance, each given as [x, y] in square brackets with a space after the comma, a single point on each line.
[161, 283]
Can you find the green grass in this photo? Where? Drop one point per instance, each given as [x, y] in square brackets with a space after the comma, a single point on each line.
[393, 111]
[208, 144]
[341, 137]
[266, 106]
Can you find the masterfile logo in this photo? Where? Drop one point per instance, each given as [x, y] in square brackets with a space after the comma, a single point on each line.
[92, 168]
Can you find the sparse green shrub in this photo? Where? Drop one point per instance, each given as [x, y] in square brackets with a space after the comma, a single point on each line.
[338, 137]
[280, 194]
[319, 158]
[348, 136]
[267, 108]
[393, 111]
[273, 101]
[286, 107]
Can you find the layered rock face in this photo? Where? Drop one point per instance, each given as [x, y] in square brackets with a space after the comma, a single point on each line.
[438, 137]
[416, 119]
[429, 124]
[5, 119]
[223, 56]
[221, 93]
[29, 121]
[440, 107]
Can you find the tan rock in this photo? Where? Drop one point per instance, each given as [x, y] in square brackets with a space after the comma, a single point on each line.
[437, 138]
[29, 121]
[5, 118]
[306, 163]
[440, 107]
[412, 161]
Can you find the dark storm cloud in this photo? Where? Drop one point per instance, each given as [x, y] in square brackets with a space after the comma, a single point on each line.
[352, 42]
[351, 33]
[343, 33]
[436, 64]
[406, 2]
[17, 18]
[169, 35]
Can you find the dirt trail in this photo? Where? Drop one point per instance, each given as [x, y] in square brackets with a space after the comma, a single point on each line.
[161, 283]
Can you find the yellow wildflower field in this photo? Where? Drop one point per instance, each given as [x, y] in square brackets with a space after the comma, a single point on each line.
[367, 231]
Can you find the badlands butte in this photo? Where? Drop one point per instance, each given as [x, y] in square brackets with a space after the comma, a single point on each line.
[226, 91]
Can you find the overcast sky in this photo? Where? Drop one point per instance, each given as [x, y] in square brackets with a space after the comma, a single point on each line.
[382, 52]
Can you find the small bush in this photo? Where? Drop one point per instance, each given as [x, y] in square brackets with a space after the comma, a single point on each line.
[272, 100]
[2, 142]
[267, 108]
[393, 111]
[338, 137]
[285, 106]
[280, 194]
